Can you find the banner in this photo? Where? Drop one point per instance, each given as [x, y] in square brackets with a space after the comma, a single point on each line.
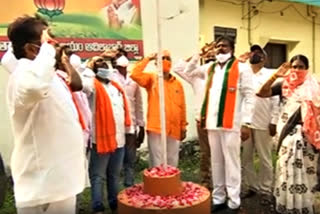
[88, 27]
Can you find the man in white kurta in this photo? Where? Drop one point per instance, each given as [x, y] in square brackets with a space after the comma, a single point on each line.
[265, 118]
[225, 142]
[134, 133]
[196, 76]
[48, 160]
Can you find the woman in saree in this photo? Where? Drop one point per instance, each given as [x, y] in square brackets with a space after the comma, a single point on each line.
[299, 135]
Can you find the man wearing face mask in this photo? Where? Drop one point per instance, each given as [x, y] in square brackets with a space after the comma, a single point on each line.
[175, 110]
[134, 134]
[264, 120]
[196, 76]
[111, 117]
[226, 113]
[46, 128]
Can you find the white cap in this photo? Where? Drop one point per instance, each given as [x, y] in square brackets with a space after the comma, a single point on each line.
[122, 61]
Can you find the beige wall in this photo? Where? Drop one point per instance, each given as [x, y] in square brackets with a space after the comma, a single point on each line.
[267, 26]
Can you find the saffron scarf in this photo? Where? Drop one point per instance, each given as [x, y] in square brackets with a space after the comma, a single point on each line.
[227, 96]
[105, 121]
[303, 87]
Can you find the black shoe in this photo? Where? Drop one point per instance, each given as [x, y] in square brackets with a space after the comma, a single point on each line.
[248, 194]
[218, 207]
[265, 199]
[114, 211]
[233, 211]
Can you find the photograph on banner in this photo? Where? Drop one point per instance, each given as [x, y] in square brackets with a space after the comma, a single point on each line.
[88, 27]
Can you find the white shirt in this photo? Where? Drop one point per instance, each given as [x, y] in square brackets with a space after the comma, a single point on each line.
[266, 110]
[48, 161]
[118, 112]
[196, 76]
[245, 98]
[134, 97]
[116, 99]
[9, 61]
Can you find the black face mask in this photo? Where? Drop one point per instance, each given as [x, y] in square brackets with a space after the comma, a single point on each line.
[255, 59]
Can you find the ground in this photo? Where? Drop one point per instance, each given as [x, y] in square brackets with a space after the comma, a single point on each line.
[188, 164]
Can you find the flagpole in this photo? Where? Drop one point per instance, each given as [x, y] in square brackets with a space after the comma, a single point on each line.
[161, 87]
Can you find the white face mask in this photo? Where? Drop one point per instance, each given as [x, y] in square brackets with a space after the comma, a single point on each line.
[122, 61]
[105, 73]
[221, 58]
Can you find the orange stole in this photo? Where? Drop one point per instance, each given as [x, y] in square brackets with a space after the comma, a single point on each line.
[105, 121]
[231, 95]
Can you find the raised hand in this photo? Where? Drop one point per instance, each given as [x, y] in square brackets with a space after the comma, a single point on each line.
[152, 56]
[244, 57]
[109, 53]
[64, 57]
[45, 37]
[208, 48]
[282, 70]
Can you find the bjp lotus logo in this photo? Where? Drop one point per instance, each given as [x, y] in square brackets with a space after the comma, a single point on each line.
[50, 8]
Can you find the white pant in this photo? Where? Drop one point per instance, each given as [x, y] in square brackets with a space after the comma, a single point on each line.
[262, 142]
[156, 150]
[67, 206]
[226, 166]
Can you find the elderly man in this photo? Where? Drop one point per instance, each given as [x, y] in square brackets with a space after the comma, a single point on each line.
[175, 110]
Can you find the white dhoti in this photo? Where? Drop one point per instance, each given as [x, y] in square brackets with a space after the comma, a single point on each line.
[226, 166]
[67, 206]
[156, 150]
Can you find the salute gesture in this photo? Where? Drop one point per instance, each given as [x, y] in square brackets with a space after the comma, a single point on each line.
[282, 70]
[208, 50]
[109, 53]
[47, 37]
[152, 56]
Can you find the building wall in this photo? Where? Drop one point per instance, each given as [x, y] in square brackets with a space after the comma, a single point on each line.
[292, 26]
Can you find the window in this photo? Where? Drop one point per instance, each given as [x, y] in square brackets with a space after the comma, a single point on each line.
[224, 31]
[277, 54]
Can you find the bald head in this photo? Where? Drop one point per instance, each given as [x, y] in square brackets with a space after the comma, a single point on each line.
[166, 53]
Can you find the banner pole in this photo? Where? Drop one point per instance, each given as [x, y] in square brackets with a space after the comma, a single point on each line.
[161, 87]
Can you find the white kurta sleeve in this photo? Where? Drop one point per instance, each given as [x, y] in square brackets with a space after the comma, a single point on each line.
[87, 77]
[247, 92]
[139, 107]
[179, 68]
[9, 61]
[33, 81]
